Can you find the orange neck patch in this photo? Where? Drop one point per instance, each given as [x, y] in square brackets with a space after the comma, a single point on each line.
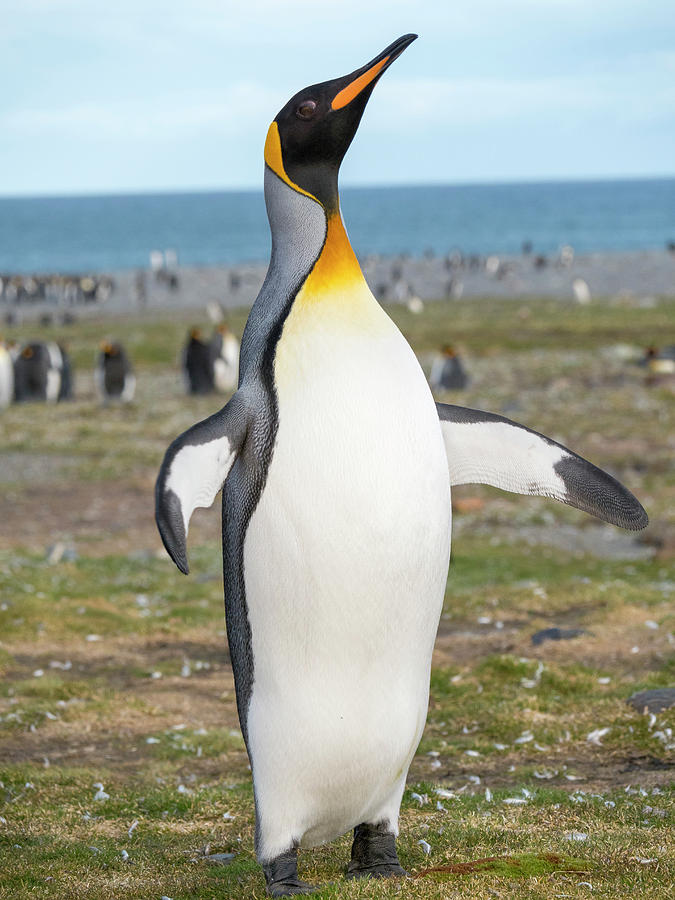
[337, 265]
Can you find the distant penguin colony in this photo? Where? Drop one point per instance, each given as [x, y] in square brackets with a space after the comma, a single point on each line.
[114, 376]
[336, 467]
[41, 371]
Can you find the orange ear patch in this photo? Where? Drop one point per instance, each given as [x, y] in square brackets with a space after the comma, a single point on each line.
[275, 161]
[346, 95]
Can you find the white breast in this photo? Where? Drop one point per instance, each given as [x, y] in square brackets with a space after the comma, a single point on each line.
[345, 566]
[6, 378]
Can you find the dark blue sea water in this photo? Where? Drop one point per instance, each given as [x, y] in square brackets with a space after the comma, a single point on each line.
[75, 234]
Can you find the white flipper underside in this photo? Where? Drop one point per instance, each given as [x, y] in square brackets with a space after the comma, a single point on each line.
[484, 448]
[503, 456]
[197, 473]
[193, 472]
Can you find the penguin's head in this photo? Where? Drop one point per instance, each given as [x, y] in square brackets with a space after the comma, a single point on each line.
[309, 137]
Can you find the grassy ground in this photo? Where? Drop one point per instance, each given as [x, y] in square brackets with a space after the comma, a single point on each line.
[115, 672]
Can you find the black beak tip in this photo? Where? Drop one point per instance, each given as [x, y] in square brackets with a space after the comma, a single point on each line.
[400, 45]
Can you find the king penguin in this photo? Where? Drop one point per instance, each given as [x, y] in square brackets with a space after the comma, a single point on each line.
[198, 364]
[38, 372]
[336, 465]
[114, 376]
[6, 376]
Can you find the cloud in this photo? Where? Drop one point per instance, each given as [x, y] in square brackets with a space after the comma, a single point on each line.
[118, 86]
[492, 102]
[241, 109]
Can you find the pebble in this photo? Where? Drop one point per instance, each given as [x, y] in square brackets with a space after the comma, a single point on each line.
[556, 634]
[219, 859]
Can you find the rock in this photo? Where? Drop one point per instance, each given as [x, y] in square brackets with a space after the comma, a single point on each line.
[557, 634]
[666, 551]
[59, 552]
[660, 536]
[55, 553]
[219, 859]
[654, 701]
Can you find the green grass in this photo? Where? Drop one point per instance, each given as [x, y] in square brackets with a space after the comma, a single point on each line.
[82, 851]
[480, 705]
[148, 709]
[522, 325]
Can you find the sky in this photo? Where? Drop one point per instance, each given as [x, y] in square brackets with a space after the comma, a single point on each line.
[139, 95]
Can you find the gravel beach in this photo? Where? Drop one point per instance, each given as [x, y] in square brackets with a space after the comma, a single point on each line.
[636, 275]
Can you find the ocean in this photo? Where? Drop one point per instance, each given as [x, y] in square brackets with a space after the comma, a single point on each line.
[110, 233]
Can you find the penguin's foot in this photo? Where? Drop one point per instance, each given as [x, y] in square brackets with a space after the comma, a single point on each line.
[374, 853]
[290, 888]
[281, 875]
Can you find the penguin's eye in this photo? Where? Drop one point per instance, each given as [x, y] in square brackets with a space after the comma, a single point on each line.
[306, 109]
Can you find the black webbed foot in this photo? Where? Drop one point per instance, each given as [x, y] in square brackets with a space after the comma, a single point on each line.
[281, 875]
[374, 853]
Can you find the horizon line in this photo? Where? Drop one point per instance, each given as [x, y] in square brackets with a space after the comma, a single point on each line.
[158, 192]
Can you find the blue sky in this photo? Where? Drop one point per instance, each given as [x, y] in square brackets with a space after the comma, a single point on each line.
[141, 95]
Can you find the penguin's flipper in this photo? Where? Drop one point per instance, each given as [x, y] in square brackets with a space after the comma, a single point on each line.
[194, 469]
[484, 448]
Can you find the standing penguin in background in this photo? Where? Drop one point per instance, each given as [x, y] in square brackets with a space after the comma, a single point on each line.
[336, 466]
[66, 385]
[447, 371]
[114, 376]
[225, 355]
[38, 372]
[197, 364]
[6, 376]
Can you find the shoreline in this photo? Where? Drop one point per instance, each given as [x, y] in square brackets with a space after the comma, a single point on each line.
[393, 279]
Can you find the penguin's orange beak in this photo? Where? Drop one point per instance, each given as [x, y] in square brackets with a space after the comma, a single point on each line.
[346, 95]
[361, 78]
